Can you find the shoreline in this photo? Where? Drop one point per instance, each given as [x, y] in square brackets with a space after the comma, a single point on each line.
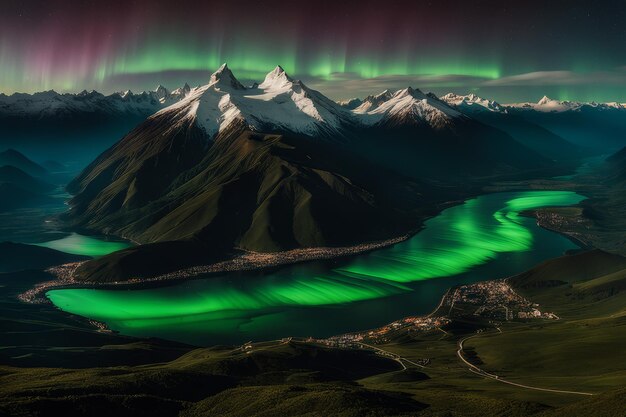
[248, 261]
[544, 222]
[252, 261]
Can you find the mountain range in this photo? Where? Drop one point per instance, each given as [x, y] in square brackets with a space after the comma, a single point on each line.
[279, 166]
[593, 126]
[61, 125]
[51, 102]
[525, 131]
[75, 127]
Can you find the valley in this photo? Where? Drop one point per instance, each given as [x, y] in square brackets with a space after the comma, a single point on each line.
[262, 247]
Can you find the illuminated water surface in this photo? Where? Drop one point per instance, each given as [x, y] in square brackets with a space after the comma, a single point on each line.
[484, 238]
[85, 245]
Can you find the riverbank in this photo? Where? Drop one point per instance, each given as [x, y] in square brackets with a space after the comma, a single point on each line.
[248, 261]
[553, 220]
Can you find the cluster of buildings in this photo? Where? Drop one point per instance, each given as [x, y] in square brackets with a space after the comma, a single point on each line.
[493, 300]
[382, 334]
[64, 276]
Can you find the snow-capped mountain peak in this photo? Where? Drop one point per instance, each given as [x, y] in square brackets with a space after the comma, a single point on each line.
[545, 100]
[224, 77]
[161, 92]
[276, 79]
[277, 82]
[407, 105]
[472, 102]
[373, 101]
[291, 105]
[180, 93]
[547, 104]
[278, 104]
[409, 91]
[351, 103]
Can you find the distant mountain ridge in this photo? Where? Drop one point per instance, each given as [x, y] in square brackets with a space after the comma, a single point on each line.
[127, 101]
[52, 103]
[473, 102]
[67, 119]
[600, 127]
[524, 131]
[21, 183]
[76, 127]
[547, 104]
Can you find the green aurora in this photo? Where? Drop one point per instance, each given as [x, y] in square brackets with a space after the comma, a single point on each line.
[254, 61]
[506, 51]
[459, 239]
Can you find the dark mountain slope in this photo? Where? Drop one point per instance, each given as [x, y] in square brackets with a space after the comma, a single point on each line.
[15, 176]
[18, 160]
[19, 186]
[140, 167]
[423, 136]
[531, 135]
[460, 152]
[616, 164]
[524, 131]
[596, 128]
[13, 197]
[18, 256]
[255, 191]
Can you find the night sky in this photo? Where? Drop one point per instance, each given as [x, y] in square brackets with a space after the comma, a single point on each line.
[506, 50]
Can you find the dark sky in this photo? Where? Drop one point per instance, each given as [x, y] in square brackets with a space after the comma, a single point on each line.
[507, 50]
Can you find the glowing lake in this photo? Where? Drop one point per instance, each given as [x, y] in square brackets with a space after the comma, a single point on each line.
[85, 245]
[484, 238]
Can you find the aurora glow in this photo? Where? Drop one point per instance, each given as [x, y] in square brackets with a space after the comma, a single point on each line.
[340, 48]
[462, 237]
[458, 240]
[84, 245]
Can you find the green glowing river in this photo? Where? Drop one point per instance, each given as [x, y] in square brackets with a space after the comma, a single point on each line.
[484, 238]
[85, 245]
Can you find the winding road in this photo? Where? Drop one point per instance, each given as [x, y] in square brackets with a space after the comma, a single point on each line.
[392, 355]
[476, 370]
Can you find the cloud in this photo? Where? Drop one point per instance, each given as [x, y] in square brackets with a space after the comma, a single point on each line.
[556, 78]
[348, 85]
